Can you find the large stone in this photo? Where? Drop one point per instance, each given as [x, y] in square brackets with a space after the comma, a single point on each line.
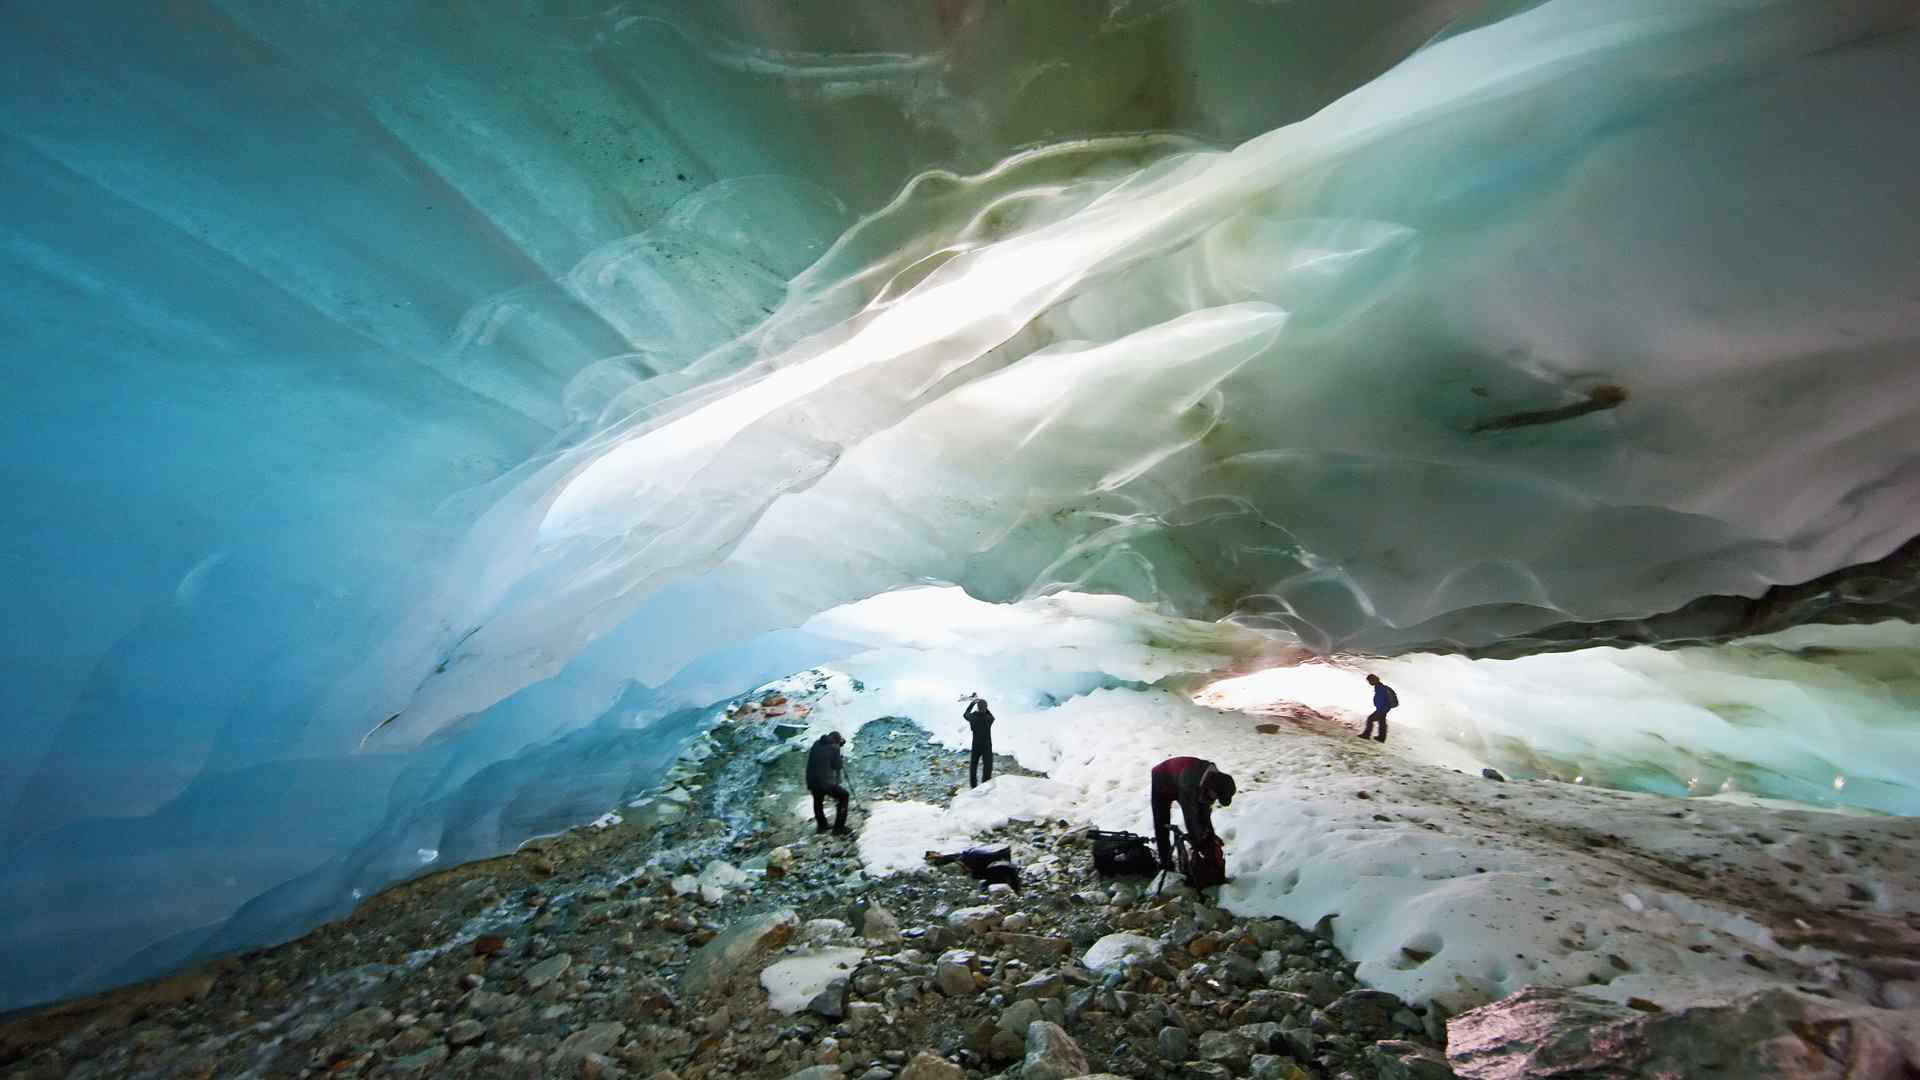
[1019, 1017]
[426, 1061]
[548, 970]
[977, 919]
[1446, 1005]
[830, 1003]
[1318, 987]
[360, 1026]
[592, 1039]
[954, 973]
[1006, 1046]
[1765, 1035]
[1052, 1054]
[485, 1003]
[1116, 949]
[1047, 984]
[927, 1065]
[412, 1039]
[1223, 1048]
[466, 1031]
[1269, 1067]
[1394, 1059]
[1263, 1038]
[1174, 1044]
[1298, 1042]
[1366, 1013]
[726, 955]
[878, 925]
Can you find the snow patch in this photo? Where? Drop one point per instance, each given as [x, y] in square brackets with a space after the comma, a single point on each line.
[796, 980]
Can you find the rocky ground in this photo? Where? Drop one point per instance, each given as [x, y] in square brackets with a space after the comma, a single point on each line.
[714, 933]
[645, 948]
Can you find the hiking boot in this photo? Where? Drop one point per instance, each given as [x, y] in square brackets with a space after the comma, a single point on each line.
[1379, 738]
[842, 830]
[820, 827]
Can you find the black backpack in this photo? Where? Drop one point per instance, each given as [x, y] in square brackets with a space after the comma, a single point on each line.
[1206, 863]
[1123, 854]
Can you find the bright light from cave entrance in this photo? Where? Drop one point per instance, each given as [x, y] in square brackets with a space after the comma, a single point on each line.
[1319, 684]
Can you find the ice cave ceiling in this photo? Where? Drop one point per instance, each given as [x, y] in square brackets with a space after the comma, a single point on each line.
[469, 371]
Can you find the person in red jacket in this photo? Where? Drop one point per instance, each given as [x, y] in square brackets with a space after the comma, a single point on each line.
[1196, 785]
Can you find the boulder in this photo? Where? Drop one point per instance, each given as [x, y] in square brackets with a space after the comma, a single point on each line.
[1174, 1044]
[1006, 1046]
[1116, 949]
[466, 1031]
[1448, 1004]
[1268, 1067]
[360, 1026]
[720, 959]
[426, 1061]
[977, 919]
[927, 1065]
[1318, 987]
[548, 970]
[1394, 1059]
[878, 925]
[592, 1039]
[1019, 1017]
[818, 1072]
[1047, 984]
[1366, 1013]
[830, 1003]
[954, 973]
[1052, 1054]
[1222, 1048]
[1774, 1034]
[779, 862]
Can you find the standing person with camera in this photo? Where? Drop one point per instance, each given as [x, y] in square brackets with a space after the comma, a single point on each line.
[980, 718]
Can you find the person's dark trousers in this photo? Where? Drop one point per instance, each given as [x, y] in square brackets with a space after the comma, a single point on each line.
[980, 766]
[1162, 795]
[1380, 717]
[839, 807]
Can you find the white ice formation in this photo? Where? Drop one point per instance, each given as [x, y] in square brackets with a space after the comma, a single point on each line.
[417, 418]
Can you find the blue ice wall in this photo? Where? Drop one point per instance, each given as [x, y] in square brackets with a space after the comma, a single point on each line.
[291, 291]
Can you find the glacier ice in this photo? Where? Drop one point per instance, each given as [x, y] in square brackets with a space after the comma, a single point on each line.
[418, 418]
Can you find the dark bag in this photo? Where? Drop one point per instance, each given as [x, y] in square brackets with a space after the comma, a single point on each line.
[1123, 854]
[977, 860]
[1206, 862]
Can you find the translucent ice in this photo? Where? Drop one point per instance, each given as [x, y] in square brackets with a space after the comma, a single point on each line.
[408, 408]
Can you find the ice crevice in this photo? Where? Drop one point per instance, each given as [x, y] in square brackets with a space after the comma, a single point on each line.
[420, 421]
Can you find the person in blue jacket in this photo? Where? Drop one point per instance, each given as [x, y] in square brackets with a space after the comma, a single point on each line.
[1384, 699]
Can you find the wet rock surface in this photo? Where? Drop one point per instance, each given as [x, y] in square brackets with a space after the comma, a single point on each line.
[648, 949]
[636, 950]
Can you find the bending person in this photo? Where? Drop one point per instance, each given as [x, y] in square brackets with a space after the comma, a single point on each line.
[1196, 785]
[825, 768]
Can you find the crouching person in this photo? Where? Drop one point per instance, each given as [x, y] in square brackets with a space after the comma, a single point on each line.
[825, 769]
